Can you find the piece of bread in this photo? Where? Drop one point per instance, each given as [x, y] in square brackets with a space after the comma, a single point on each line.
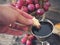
[57, 29]
[57, 25]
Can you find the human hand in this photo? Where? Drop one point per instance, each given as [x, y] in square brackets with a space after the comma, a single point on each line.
[9, 15]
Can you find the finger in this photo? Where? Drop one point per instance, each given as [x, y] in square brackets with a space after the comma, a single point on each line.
[19, 23]
[11, 31]
[22, 19]
[18, 26]
[26, 15]
[14, 32]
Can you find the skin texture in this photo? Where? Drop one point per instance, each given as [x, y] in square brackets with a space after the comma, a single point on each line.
[9, 15]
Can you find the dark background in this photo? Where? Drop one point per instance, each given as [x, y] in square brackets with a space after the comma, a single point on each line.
[54, 12]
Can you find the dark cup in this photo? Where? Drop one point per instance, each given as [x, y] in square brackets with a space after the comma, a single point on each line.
[38, 33]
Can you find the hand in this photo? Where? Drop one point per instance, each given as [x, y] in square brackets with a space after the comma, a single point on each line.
[9, 15]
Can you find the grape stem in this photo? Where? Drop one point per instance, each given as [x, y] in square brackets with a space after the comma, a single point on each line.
[43, 17]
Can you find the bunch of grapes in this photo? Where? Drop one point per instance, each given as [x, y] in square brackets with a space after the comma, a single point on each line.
[27, 39]
[39, 6]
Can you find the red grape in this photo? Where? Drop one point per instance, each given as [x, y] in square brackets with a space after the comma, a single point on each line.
[48, 4]
[24, 8]
[14, 4]
[35, 1]
[29, 1]
[23, 40]
[21, 2]
[18, 6]
[45, 7]
[40, 11]
[31, 7]
[37, 6]
[31, 37]
[28, 42]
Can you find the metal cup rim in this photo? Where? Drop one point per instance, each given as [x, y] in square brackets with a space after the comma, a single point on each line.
[49, 33]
